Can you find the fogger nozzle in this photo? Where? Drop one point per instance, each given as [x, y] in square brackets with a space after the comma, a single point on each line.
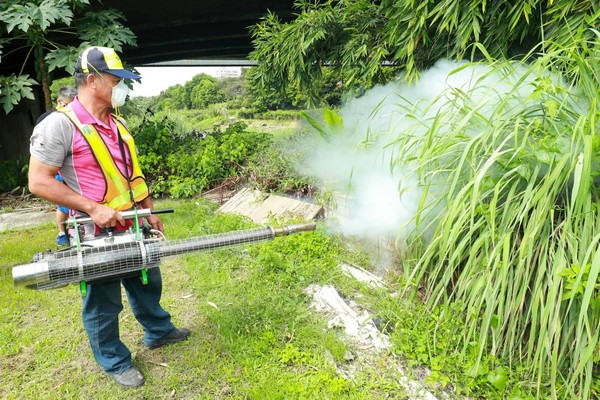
[296, 228]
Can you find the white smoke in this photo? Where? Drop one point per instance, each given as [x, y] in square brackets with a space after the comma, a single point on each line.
[380, 194]
[376, 198]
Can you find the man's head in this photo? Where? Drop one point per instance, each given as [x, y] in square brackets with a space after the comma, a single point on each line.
[65, 95]
[99, 74]
[100, 60]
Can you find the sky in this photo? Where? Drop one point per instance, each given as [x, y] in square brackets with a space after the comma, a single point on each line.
[157, 79]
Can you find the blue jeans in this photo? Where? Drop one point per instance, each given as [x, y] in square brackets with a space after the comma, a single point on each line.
[100, 313]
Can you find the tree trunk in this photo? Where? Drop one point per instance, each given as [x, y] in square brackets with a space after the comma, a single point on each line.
[43, 77]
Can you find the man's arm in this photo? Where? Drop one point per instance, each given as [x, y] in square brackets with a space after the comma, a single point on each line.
[42, 183]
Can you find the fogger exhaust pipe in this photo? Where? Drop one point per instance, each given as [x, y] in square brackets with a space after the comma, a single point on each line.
[114, 261]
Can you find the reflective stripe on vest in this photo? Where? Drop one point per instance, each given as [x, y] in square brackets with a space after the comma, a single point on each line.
[117, 195]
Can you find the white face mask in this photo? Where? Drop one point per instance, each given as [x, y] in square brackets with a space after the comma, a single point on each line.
[119, 94]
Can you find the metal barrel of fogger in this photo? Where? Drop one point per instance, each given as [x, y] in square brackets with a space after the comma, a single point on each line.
[230, 239]
[97, 263]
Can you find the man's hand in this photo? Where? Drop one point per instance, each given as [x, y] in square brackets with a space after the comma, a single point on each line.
[106, 217]
[155, 222]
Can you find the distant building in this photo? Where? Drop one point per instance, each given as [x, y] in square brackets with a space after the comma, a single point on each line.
[228, 72]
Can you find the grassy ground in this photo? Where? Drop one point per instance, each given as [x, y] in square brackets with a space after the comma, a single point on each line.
[279, 129]
[254, 336]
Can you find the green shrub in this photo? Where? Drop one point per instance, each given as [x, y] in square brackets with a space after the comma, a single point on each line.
[183, 165]
[277, 115]
[13, 174]
[281, 115]
[273, 170]
[246, 113]
[198, 162]
[155, 141]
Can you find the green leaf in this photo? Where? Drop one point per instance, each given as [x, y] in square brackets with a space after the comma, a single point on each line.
[51, 11]
[115, 36]
[13, 89]
[16, 16]
[320, 128]
[334, 123]
[64, 58]
[333, 120]
[551, 107]
[104, 28]
[24, 17]
[494, 321]
[498, 378]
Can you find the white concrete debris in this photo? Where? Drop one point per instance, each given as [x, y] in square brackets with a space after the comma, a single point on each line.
[362, 275]
[359, 326]
[263, 207]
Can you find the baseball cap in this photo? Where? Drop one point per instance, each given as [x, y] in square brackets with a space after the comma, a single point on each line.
[103, 59]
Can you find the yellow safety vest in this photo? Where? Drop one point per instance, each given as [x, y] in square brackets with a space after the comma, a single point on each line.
[119, 190]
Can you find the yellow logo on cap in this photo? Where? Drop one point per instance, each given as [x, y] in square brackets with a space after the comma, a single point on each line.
[112, 59]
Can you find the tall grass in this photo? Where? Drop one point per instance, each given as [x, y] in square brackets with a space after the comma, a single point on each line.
[506, 232]
[512, 162]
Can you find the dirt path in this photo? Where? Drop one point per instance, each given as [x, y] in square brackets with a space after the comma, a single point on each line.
[26, 218]
[19, 209]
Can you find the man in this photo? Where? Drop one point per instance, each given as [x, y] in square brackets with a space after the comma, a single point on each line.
[65, 95]
[97, 159]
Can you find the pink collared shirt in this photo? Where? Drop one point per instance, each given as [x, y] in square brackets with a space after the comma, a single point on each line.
[88, 173]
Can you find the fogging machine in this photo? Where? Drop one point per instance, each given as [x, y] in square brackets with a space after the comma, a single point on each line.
[109, 257]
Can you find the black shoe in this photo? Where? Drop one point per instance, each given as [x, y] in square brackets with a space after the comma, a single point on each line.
[176, 336]
[130, 378]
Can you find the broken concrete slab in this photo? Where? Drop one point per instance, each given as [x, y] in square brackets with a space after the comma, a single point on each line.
[362, 275]
[357, 324]
[262, 208]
